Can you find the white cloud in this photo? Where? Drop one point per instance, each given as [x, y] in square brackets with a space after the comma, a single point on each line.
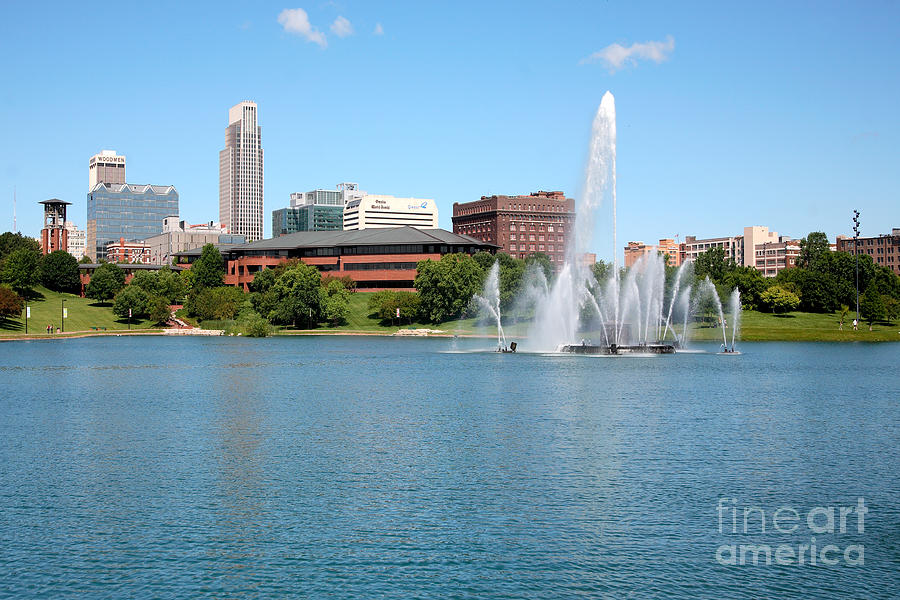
[616, 56]
[379, 30]
[295, 20]
[341, 27]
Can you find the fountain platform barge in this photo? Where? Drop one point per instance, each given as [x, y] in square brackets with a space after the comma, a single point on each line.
[618, 349]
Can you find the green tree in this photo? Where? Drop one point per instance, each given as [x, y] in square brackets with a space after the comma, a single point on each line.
[296, 295]
[10, 242]
[85, 260]
[602, 271]
[891, 308]
[749, 281]
[223, 302]
[713, 263]
[158, 310]
[105, 283]
[812, 248]
[485, 260]
[446, 286]
[818, 291]
[209, 269]
[59, 272]
[21, 270]
[779, 300]
[335, 301]
[543, 260]
[186, 280]
[131, 298]
[11, 304]
[842, 267]
[263, 280]
[871, 306]
[512, 274]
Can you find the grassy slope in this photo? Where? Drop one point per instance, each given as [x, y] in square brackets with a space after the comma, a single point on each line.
[84, 313]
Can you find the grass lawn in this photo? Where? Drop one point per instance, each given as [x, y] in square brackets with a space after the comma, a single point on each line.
[84, 313]
[755, 326]
[359, 320]
[801, 327]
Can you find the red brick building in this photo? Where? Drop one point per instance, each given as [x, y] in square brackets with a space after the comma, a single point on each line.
[376, 259]
[136, 252]
[884, 249]
[520, 225]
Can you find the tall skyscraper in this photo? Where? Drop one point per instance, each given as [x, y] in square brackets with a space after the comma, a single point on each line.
[106, 167]
[241, 174]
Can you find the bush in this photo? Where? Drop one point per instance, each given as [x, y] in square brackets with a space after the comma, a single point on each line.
[384, 305]
[779, 300]
[216, 303]
[256, 326]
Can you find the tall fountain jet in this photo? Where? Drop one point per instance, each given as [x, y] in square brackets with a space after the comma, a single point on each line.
[636, 313]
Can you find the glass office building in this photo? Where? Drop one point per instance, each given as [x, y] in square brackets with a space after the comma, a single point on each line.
[318, 210]
[125, 211]
[312, 217]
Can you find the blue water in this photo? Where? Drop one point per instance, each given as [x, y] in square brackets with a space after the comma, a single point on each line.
[379, 467]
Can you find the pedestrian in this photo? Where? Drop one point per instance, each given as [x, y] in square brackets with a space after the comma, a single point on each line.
[855, 324]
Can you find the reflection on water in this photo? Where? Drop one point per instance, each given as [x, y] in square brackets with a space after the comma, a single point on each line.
[357, 467]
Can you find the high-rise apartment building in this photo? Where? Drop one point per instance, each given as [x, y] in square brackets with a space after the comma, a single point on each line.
[126, 211]
[106, 167]
[241, 174]
[520, 225]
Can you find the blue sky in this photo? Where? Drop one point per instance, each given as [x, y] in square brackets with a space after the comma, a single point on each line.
[777, 114]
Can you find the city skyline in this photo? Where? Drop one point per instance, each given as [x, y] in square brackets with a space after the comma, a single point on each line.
[728, 116]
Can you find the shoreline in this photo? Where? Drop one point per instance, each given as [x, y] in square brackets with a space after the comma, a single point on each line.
[355, 333]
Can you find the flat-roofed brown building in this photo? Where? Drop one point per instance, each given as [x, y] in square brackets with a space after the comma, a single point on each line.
[884, 249]
[520, 225]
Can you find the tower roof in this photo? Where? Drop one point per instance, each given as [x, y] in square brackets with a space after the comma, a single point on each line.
[54, 201]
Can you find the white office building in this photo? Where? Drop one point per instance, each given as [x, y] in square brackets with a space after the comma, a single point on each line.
[376, 210]
[241, 174]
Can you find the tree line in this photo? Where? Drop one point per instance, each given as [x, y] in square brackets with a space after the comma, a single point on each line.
[823, 281]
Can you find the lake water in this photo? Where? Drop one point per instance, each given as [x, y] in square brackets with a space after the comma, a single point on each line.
[413, 468]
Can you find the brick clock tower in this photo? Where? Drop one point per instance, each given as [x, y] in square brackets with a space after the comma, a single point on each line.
[54, 235]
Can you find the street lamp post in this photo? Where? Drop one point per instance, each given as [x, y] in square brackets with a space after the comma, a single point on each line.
[62, 316]
[856, 252]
